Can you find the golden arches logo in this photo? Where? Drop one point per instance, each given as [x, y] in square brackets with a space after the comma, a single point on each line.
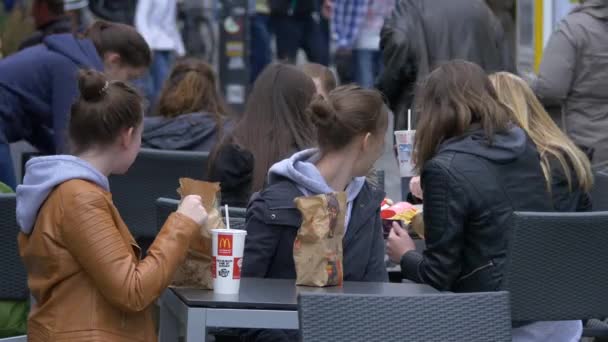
[225, 243]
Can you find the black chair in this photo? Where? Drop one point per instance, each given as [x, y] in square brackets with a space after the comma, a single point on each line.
[435, 317]
[558, 266]
[165, 206]
[13, 276]
[154, 174]
[13, 282]
[599, 193]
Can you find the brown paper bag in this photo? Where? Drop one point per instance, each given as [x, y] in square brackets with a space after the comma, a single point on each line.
[317, 250]
[196, 269]
[417, 224]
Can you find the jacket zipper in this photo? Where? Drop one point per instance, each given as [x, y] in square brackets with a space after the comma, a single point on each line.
[482, 267]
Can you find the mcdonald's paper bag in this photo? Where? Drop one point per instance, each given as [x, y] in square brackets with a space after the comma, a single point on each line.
[196, 269]
[317, 250]
[417, 224]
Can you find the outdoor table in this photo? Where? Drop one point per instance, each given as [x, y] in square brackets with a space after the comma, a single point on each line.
[261, 303]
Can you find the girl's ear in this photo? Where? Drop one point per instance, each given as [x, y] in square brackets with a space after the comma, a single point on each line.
[366, 142]
[126, 137]
[112, 58]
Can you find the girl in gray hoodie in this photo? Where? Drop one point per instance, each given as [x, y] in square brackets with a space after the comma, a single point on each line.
[351, 124]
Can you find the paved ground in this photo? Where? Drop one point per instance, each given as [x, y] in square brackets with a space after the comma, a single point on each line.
[388, 163]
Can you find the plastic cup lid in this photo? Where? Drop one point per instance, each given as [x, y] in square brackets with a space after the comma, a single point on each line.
[229, 231]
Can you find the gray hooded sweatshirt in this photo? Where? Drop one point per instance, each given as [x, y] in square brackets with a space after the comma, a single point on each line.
[42, 175]
[300, 168]
[186, 132]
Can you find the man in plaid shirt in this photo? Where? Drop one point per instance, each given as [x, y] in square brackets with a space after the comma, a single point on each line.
[356, 30]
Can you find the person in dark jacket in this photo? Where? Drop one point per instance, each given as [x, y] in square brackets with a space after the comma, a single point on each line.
[477, 168]
[504, 11]
[273, 127]
[297, 24]
[38, 85]
[351, 125]
[49, 18]
[566, 168]
[193, 113]
[573, 77]
[419, 35]
[116, 11]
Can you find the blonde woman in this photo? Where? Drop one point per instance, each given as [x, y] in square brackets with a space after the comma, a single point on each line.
[566, 168]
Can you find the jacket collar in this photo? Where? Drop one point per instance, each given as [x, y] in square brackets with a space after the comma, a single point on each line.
[284, 212]
[367, 204]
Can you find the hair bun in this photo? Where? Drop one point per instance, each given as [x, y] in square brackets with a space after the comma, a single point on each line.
[322, 113]
[92, 85]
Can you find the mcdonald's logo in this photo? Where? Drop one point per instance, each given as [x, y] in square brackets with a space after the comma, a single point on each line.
[224, 245]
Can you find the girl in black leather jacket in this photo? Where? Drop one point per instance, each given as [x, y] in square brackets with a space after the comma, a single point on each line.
[477, 168]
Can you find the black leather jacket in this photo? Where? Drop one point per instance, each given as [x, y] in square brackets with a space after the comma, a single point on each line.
[567, 197]
[470, 192]
[421, 34]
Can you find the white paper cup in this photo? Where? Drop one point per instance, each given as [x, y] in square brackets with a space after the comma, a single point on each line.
[228, 246]
[405, 147]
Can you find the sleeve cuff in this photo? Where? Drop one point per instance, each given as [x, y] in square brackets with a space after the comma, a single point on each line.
[183, 221]
[410, 263]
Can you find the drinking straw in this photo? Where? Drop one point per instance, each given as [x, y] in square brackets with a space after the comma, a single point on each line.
[409, 119]
[227, 216]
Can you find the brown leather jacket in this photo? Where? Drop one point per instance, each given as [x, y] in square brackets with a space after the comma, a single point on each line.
[85, 272]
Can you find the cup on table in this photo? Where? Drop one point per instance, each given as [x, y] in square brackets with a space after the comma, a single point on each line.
[405, 146]
[227, 249]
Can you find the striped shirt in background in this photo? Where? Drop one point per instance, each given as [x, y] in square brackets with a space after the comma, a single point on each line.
[356, 24]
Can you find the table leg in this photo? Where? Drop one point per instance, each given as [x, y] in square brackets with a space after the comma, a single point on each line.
[196, 325]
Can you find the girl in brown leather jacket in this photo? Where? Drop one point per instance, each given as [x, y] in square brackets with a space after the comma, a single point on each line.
[85, 270]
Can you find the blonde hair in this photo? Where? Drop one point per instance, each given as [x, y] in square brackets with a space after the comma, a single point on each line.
[549, 139]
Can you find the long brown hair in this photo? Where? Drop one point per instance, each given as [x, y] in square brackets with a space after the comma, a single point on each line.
[274, 123]
[453, 97]
[103, 109]
[191, 87]
[121, 39]
[549, 139]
